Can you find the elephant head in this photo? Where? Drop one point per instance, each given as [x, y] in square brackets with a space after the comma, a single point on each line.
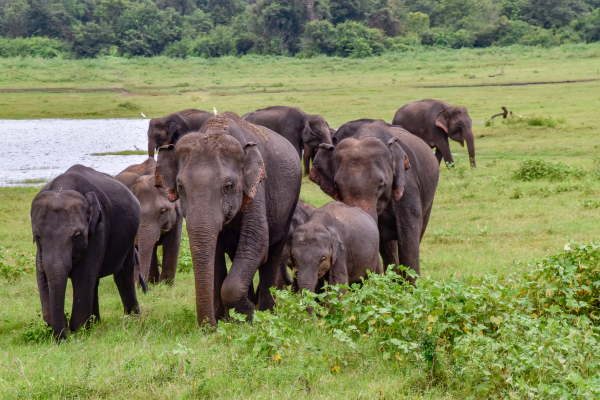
[315, 248]
[213, 174]
[62, 223]
[316, 131]
[161, 131]
[159, 215]
[457, 124]
[363, 172]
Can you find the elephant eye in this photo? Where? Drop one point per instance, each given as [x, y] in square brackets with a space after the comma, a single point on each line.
[162, 210]
[228, 188]
[77, 234]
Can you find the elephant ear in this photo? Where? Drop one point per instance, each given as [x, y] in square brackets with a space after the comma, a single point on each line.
[307, 132]
[253, 170]
[94, 214]
[441, 120]
[400, 163]
[166, 172]
[336, 244]
[323, 171]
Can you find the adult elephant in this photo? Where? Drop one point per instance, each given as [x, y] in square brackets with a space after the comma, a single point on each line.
[299, 128]
[238, 185]
[389, 173]
[160, 224]
[169, 129]
[84, 224]
[435, 121]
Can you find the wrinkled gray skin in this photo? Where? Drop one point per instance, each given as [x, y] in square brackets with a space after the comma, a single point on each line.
[169, 129]
[390, 174]
[84, 224]
[435, 121]
[160, 223]
[338, 244]
[302, 214]
[238, 187]
[299, 128]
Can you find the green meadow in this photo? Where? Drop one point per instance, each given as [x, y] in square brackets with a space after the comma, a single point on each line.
[486, 224]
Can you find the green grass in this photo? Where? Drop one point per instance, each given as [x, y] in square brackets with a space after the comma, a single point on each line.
[484, 221]
[122, 153]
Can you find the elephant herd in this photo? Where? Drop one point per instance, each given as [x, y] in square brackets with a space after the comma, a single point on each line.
[236, 181]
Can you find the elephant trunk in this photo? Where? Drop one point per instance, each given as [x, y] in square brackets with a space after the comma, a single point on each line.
[57, 268]
[146, 240]
[307, 280]
[203, 235]
[469, 138]
[151, 147]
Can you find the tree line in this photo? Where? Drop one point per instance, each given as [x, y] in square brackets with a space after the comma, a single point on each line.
[301, 28]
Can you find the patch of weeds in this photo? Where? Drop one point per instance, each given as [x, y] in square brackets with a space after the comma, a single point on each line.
[37, 331]
[129, 105]
[441, 236]
[538, 169]
[18, 264]
[184, 264]
[545, 192]
[535, 120]
[591, 203]
[517, 193]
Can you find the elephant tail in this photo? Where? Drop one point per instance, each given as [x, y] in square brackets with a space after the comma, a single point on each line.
[138, 264]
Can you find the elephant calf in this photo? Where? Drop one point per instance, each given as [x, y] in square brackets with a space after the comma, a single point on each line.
[338, 244]
[169, 129]
[84, 224]
[160, 225]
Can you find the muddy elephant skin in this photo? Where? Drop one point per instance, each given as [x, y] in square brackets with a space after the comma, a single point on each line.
[161, 223]
[169, 129]
[299, 128]
[338, 244]
[84, 224]
[390, 174]
[435, 121]
[238, 185]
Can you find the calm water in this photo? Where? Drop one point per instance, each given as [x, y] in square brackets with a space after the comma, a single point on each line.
[45, 148]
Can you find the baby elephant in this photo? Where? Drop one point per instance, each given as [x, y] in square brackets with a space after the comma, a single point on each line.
[84, 224]
[338, 244]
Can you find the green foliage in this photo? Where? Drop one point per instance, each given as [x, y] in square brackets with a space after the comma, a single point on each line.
[184, 264]
[17, 265]
[539, 169]
[33, 47]
[129, 105]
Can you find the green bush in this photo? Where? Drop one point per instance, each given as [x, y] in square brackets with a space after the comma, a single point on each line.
[33, 47]
[539, 169]
[19, 264]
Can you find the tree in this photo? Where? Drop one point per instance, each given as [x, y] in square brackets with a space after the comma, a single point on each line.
[14, 18]
[91, 39]
[548, 13]
[344, 10]
[278, 19]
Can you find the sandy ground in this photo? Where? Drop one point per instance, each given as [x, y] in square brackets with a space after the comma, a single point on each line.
[45, 148]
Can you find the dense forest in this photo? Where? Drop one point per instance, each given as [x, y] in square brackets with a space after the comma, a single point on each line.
[301, 28]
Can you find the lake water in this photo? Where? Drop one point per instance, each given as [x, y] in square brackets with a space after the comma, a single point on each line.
[45, 148]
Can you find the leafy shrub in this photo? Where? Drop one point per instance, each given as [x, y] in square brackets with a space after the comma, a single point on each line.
[33, 47]
[20, 263]
[184, 264]
[539, 169]
[531, 332]
[534, 120]
[37, 331]
[129, 105]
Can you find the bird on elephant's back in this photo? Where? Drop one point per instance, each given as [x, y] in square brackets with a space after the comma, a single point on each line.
[238, 185]
[435, 121]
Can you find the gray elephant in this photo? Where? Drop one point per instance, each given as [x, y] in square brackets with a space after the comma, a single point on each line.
[84, 224]
[338, 244]
[389, 173]
[300, 128]
[169, 129]
[161, 223]
[302, 214]
[238, 185]
[435, 121]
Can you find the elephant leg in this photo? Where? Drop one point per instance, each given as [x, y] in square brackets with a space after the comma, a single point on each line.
[125, 282]
[389, 253]
[44, 290]
[154, 273]
[438, 155]
[252, 250]
[220, 275]
[171, 243]
[268, 273]
[96, 306]
[444, 149]
[85, 282]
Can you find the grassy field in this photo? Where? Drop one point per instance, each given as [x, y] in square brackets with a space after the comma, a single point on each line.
[484, 221]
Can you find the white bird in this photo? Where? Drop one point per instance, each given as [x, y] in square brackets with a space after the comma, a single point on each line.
[215, 110]
[143, 115]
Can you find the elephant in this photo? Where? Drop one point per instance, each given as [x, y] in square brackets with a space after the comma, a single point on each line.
[310, 151]
[84, 224]
[302, 214]
[161, 223]
[169, 129]
[238, 185]
[339, 244]
[435, 121]
[300, 128]
[389, 173]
